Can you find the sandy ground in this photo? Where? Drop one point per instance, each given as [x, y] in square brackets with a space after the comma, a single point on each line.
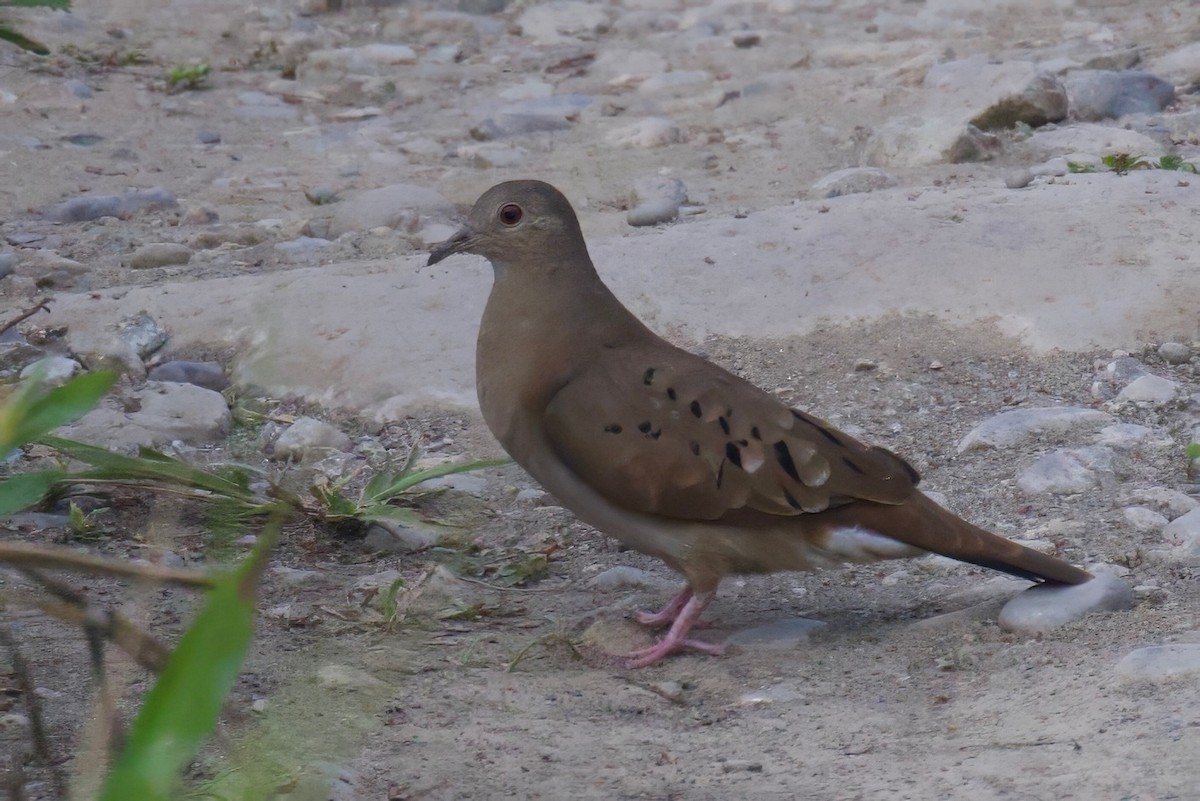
[968, 297]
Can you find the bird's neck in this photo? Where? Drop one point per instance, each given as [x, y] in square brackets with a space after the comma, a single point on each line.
[537, 327]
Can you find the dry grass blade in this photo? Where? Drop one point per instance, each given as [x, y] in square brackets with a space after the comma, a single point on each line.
[24, 555]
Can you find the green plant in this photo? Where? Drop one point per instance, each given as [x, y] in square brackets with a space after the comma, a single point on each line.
[1080, 166]
[1122, 163]
[184, 77]
[1175, 162]
[376, 500]
[11, 36]
[1193, 457]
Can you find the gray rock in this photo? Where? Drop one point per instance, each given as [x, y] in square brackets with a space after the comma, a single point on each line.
[653, 212]
[535, 115]
[1123, 436]
[1099, 94]
[1058, 473]
[55, 370]
[141, 333]
[1042, 607]
[209, 375]
[1175, 353]
[561, 21]
[293, 577]
[1018, 179]
[1150, 389]
[1160, 663]
[206, 137]
[8, 264]
[388, 536]
[853, 180]
[490, 155]
[1183, 535]
[656, 199]
[159, 254]
[646, 132]
[399, 206]
[626, 577]
[1087, 142]
[308, 435]
[1183, 63]
[156, 414]
[966, 100]
[78, 88]
[1142, 519]
[1170, 502]
[348, 679]
[780, 635]
[1014, 427]
[85, 208]
[302, 244]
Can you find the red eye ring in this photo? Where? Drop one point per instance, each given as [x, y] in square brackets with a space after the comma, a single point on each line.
[510, 213]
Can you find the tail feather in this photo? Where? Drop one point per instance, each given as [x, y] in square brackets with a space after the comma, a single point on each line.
[922, 523]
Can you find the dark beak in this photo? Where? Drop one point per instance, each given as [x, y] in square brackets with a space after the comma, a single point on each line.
[459, 243]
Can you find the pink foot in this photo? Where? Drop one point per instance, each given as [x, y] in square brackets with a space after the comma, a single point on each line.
[668, 613]
[676, 638]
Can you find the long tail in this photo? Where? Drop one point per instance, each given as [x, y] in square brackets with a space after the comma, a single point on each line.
[922, 523]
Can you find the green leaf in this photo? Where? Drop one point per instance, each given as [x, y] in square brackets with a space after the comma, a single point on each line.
[181, 710]
[395, 514]
[22, 491]
[65, 404]
[23, 42]
[412, 479]
[1193, 451]
[149, 465]
[61, 5]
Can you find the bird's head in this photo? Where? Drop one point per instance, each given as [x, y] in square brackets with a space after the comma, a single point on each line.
[516, 223]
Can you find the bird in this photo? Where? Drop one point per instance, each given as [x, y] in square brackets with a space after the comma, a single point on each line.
[671, 454]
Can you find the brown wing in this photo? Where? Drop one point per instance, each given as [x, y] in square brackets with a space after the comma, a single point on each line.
[660, 430]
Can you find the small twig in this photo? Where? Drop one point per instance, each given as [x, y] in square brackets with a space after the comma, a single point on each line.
[33, 704]
[24, 555]
[42, 305]
[74, 608]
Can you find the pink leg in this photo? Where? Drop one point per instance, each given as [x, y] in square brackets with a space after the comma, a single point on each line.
[676, 636]
[668, 613]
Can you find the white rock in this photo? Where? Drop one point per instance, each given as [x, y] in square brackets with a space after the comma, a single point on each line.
[1143, 519]
[1183, 534]
[1149, 389]
[1013, 427]
[308, 436]
[561, 21]
[962, 99]
[648, 132]
[1093, 139]
[1042, 608]
[626, 577]
[1160, 662]
[55, 370]
[781, 635]
[852, 180]
[1183, 64]
[676, 82]
[1059, 472]
[351, 679]
[399, 206]
[167, 412]
[389, 536]
[490, 155]
[1123, 436]
[1171, 503]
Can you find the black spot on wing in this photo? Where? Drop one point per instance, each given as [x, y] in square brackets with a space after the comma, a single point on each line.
[671, 393]
[849, 463]
[613, 428]
[696, 410]
[755, 433]
[822, 430]
[648, 376]
[644, 427]
[724, 423]
[695, 446]
[733, 454]
[784, 457]
[792, 502]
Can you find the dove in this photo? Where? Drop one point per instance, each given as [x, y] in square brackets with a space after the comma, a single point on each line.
[671, 454]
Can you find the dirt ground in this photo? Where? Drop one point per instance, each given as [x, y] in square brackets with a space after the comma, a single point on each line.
[479, 690]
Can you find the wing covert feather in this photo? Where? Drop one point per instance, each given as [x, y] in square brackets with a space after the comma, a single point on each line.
[662, 431]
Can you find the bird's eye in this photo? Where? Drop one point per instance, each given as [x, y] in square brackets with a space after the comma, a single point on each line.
[511, 214]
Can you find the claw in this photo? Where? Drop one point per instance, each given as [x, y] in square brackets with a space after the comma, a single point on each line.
[690, 604]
